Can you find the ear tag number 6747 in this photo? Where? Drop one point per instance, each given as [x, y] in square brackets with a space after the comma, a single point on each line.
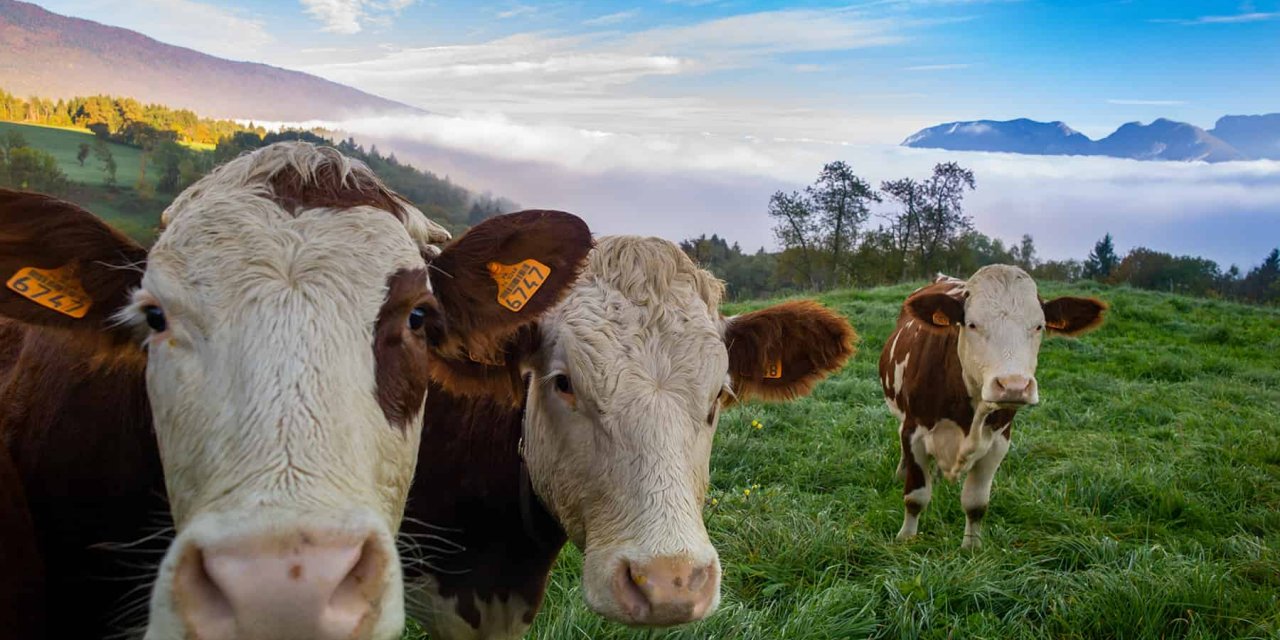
[57, 289]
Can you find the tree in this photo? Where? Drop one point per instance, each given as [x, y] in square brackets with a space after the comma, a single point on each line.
[904, 226]
[842, 202]
[108, 162]
[943, 219]
[1102, 260]
[35, 170]
[1263, 282]
[83, 153]
[796, 229]
[1025, 253]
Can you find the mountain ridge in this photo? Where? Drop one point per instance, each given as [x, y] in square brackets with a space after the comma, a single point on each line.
[57, 56]
[1232, 138]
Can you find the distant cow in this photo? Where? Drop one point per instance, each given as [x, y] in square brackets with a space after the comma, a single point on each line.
[612, 403]
[285, 317]
[960, 364]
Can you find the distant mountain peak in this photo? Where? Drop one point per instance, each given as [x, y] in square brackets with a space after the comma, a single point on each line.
[55, 56]
[1233, 138]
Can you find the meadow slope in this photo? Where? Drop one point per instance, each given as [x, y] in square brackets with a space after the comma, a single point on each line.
[1141, 499]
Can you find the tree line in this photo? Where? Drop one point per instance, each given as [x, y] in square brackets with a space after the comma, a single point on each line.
[828, 241]
[120, 119]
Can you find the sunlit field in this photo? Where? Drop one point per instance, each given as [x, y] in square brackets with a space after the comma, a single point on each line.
[1141, 499]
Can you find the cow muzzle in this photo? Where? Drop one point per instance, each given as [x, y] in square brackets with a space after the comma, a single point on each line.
[665, 591]
[317, 585]
[1011, 391]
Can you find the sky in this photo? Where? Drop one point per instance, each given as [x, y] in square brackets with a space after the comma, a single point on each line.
[677, 117]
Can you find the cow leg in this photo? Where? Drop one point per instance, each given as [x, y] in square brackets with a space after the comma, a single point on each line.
[975, 444]
[917, 481]
[976, 494]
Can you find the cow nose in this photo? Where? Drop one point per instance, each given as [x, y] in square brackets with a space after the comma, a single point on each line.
[308, 586]
[666, 590]
[1014, 388]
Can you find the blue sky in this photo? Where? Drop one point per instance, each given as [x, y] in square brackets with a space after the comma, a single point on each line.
[677, 117]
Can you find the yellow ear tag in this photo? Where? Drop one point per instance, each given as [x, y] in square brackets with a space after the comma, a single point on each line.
[941, 319]
[58, 289]
[774, 370]
[518, 282]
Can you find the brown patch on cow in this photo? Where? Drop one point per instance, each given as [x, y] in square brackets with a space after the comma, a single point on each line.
[914, 508]
[468, 294]
[976, 514]
[295, 573]
[494, 376]
[937, 306]
[47, 233]
[1073, 316]
[809, 340]
[336, 183]
[21, 570]
[507, 541]
[402, 354]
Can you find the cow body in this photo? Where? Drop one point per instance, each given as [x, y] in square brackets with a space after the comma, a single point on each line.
[958, 366]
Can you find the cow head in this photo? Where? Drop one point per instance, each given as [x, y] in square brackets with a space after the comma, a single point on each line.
[627, 377]
[1001, 321]
[286, 312]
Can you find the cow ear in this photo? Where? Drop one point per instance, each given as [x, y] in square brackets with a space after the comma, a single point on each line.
[1073, 316]
[496, 376]
[936, 310]
[782, 352]
[61, 266]
[504, 272]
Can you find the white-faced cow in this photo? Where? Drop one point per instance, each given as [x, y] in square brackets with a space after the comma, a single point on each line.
[615, 396]
[286, 315]
[960, 364]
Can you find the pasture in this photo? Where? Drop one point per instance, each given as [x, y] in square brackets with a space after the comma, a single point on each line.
[121, 207]
[1141, 499]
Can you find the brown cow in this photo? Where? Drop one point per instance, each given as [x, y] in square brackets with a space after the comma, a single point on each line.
[285, 316]
[959, 365]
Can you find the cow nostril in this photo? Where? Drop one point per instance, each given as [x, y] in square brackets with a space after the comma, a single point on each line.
[357, 590]
[199, 599]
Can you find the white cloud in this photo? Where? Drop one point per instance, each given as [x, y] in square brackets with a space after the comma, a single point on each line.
[350, 16]
[517, 11]
[611, 18]
[936, 67]
[1148, 103]
[204, 27]
[679, 184]
[1237, 18]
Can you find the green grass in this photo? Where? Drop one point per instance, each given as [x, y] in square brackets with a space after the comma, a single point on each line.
[120, 207]
[1141, 499]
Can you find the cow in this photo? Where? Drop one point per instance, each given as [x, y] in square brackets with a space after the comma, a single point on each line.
[960, 363]
[595, 425]
[261, 372]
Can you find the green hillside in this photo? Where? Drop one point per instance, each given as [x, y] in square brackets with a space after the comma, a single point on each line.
[1141, 499]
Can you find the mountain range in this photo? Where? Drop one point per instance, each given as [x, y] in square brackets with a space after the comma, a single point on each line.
[1232, 138]
[54, 56]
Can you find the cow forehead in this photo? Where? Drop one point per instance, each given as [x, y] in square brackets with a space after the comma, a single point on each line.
[1002, 291]
[227, 250]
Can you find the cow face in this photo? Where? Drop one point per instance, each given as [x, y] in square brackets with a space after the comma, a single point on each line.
[286, 314]
[627, 379]
[1001, 321]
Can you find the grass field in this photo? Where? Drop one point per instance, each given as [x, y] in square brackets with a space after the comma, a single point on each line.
[121, 206]
[1141, 499]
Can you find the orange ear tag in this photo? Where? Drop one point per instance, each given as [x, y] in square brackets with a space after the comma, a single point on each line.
[941, 319]
[1056, 324]
[58, 289]
[518, 282]
[774, 370]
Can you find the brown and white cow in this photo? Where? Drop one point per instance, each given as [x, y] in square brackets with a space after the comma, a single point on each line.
[955, 371]
[286, 315]
[626, 378]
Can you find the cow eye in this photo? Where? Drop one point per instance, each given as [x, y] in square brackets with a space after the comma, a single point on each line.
[973, 325]
[155, 318]
[1039, 327]
[417, 318]
[563, 385]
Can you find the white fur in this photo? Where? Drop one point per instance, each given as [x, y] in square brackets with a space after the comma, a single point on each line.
[263, 386]
[1001, 302]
